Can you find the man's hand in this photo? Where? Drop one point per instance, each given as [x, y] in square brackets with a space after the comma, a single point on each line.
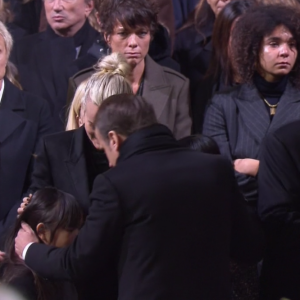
[2, 255]
[23, 205]
[247, 166]
[24, 237]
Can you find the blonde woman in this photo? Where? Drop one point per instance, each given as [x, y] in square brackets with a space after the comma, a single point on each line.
[69, 160]
[75, 118]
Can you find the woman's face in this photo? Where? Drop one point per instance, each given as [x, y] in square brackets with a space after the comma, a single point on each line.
[3, 57]
[278, 54]
[62, 237]
[217, 5]
[133, 43]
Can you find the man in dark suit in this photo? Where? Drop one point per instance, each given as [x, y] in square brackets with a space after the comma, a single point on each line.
[279, 209]
[46, 60]
[163, 222]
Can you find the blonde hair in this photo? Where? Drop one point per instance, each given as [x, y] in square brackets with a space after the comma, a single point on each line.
[74, 109]
[109, 79]
[8, 41]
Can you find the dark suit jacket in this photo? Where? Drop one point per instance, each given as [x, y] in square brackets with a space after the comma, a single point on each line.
[165, 89]
[24, 119]
[182, 9]
[45, 62]
[239, 120]
[62, 163]
[158, 227]
[279, 209]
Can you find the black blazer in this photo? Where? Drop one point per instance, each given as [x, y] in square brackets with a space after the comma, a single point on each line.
[24, 119]
[62, 164]
[239, 120]
[45, 63]
[158, 228]
[279, 209]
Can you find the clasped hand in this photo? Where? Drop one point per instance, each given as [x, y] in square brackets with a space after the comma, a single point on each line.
[247, 166]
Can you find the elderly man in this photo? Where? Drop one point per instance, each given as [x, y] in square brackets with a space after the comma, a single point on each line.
[163, 222]
[46, 60]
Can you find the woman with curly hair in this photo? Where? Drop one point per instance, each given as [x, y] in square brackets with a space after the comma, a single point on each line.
[265, 50]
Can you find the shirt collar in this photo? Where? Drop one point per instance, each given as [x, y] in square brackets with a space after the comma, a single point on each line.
[2, 89]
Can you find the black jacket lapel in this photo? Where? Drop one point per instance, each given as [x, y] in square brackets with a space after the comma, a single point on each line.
[76, 164]
[253, 112]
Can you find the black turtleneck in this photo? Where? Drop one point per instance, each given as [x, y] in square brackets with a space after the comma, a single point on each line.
[271, 91]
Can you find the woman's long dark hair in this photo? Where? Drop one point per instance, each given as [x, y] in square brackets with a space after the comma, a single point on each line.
[220, 63]
[56, 210]
[200, 17]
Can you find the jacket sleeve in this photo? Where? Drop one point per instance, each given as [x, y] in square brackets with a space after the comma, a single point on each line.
[215, 126]
[41, 175]
[183, 122]
[247, 236]
[96, 247]
[279, 186]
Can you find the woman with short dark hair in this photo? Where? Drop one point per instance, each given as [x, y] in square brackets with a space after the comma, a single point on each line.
[128, 27]
[265, 56]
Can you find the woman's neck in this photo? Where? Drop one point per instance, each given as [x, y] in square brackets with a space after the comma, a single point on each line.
[136, 76]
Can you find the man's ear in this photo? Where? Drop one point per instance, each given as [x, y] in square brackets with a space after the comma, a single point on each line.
[89, 6]
[115, 140]
[42, 233]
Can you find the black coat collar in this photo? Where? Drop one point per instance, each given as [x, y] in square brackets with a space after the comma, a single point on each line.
[11, 98]
[153, 138]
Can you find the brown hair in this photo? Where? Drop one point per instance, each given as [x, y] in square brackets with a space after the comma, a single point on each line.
[249, 32]
[220, 63]
[130, 13]
[125, 114]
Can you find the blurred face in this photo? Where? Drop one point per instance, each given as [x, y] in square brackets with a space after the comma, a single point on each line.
[62, 237]
[3, 59]
[133, 43]
[278, 54]
[217, 5]
[89, 118]
[110, 146]
[66, 17]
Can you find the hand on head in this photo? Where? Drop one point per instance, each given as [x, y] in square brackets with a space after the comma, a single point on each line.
[24, 237]
[2, 255]
[26, 201]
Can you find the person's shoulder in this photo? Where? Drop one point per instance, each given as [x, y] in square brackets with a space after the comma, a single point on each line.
[26, 41]
[288, 134]
[82, 75]
[60, 138]
[222, 96]
[174, 74]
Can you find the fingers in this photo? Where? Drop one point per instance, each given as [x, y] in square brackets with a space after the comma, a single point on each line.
[2, 256]
[26, 228]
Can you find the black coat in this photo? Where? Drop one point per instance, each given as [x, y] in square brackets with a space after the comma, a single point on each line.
[62, 163]
[45, 63]
[238, 121]
[24, 120]
[279, 209]
[162, 225]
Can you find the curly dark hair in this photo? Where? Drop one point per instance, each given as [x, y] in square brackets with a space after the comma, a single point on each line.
[249, 32]
[130, 13]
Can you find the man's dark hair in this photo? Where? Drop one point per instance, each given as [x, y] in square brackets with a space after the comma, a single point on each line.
[125, 114]
[130, 13]
[250, 30]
